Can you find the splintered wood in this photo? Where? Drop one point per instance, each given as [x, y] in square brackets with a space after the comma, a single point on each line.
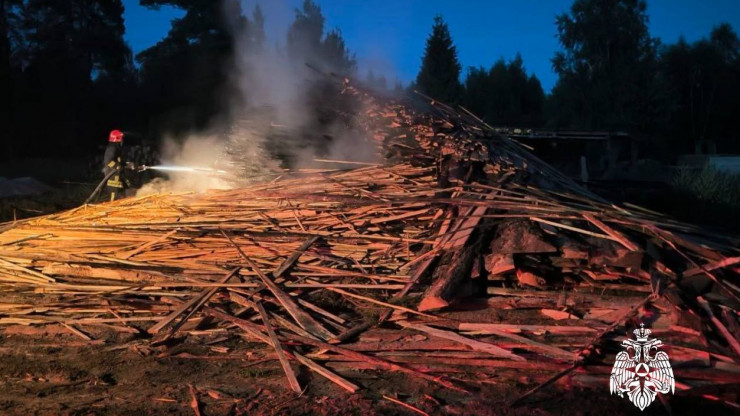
[462, 254]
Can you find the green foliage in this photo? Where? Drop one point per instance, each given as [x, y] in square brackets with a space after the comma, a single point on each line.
[439, 76]
[185, 76]
[709, 185]
[336, 55]
[607, 69]
[59, 58]
[704, 88]
[9, 24]
[307, 43]
[505, 95]
[612, 77]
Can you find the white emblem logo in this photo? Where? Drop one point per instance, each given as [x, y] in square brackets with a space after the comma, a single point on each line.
[641, 376]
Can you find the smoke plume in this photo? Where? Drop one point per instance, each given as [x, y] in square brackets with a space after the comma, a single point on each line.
[283, 108]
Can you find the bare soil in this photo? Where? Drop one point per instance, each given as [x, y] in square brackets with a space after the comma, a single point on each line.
[51, 371]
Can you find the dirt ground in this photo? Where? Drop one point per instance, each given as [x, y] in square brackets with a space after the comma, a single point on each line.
[51, 371]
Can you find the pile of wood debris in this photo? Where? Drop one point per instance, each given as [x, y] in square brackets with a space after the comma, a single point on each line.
[461, 259]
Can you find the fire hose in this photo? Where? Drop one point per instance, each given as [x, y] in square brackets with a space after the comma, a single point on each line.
[162, 168]
[97, 190]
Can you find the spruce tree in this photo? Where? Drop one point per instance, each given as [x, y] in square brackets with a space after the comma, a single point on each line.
[258, 27]
[309, 44]
[439, 76]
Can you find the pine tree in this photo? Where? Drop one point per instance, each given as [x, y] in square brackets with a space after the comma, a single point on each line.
[504, 95]
[307, 43]
[305, 33]
[187, 74]
[439, 76]
[335, 54]
[8, 20]
[258, 27]
[71, 52]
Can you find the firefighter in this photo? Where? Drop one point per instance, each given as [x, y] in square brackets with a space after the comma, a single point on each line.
[113, 164]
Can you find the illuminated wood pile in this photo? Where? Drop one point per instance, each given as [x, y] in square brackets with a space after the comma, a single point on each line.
[462, 259]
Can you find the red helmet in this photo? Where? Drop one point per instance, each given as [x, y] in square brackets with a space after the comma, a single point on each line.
[116, 136]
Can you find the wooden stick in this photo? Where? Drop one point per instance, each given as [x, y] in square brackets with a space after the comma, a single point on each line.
[24, 239]
[328, 374]
[201, 299]
[474, 344]
[726, 334]
[149, 244]
[302, 318]
[727, 262]
[381, 303]
[571, 228]
[616, 235]
[288, 263]
[194, 400]
[42, 277]
[512, 328]
[547, 350]
[406, 405]
[350, 333]
[292, 380]
[374, 360]
[77, 332]
[541, 386]
[345, 162]
[248, 327]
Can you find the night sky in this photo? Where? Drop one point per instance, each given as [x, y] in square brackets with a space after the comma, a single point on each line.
[389, 35]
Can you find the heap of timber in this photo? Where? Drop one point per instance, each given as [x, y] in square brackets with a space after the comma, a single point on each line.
[378, 267]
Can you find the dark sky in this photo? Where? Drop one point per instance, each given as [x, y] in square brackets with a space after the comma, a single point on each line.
[389, 35]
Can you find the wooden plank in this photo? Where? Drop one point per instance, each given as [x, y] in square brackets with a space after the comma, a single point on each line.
[447, 278]
[721, 328]
[39, 276]
[616, 235]
[379, 302]
[474, 344]
[406, 405]
[303, 319]
[545, 349]
[727, 262]
[516, 328]
[381, 363]
[247, 326]
[290, 261]
[572, 228]
[145, 246]
[328, 374]
[204, 296]
[289, 373]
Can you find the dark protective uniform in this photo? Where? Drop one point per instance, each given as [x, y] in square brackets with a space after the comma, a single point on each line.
[113, 162]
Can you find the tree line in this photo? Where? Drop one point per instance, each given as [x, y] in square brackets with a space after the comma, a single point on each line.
[67, 76]
[612, 75]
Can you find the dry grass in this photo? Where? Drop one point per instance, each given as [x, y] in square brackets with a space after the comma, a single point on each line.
[709, 185]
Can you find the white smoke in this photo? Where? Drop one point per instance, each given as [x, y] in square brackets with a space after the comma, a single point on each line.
[270, 111]
[197, 151]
